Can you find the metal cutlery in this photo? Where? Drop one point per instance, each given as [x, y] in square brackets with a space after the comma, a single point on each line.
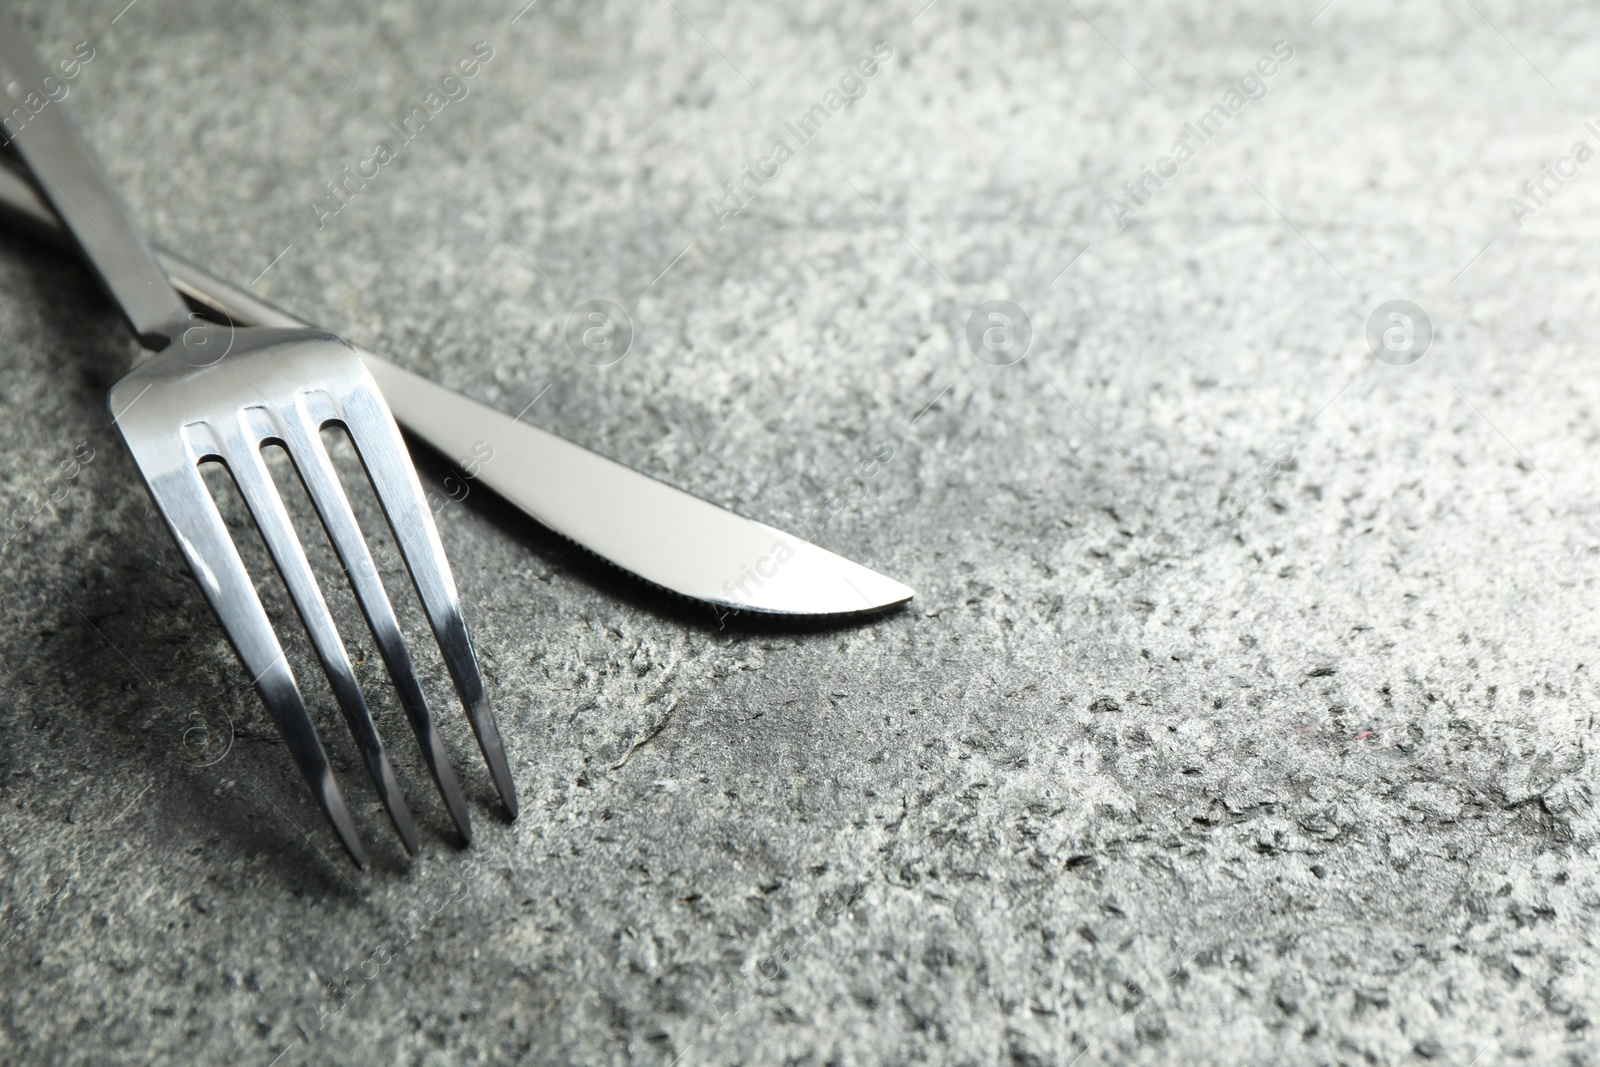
[660, 533]
[221, 393]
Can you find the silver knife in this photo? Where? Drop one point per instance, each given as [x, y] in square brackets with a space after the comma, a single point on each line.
[660, 533]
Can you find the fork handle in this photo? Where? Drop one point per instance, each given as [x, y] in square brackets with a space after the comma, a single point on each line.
[36, 125]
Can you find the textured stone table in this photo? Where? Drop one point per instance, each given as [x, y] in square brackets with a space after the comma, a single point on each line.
[1245, 707]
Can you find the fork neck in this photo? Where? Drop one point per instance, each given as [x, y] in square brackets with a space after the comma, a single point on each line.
[36, 125]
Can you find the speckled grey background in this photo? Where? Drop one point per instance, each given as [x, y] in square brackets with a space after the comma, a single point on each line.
[1244, 709]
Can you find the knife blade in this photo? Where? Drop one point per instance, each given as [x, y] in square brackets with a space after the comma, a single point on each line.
[658, 532]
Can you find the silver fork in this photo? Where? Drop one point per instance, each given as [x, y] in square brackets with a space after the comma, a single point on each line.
[223, 393]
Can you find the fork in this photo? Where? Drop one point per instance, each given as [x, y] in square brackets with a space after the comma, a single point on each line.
[212, 392]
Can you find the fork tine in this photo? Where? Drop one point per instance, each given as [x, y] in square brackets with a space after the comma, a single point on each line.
[181, 496]
[384, 455]
[241, 450]
[283, 700]
[327, 493]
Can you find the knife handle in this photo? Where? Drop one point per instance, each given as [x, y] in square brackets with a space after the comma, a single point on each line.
[24, 209]
[222, 298]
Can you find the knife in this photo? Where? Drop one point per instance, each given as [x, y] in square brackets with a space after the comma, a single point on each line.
[660, 533]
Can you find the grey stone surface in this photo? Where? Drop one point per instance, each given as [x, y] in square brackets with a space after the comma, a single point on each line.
[1243, 714]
